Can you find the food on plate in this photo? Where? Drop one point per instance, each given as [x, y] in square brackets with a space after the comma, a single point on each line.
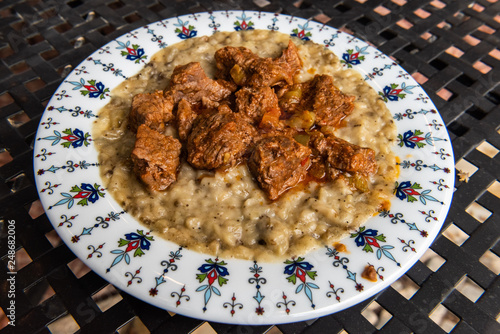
[153, 110]
[155, 158]
[318, 95]
[253, 103]
[246, 68]
[247, 144]
[219, 139]
[279, 163]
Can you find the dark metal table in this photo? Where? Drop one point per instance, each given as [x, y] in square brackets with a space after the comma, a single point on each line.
[450, 47]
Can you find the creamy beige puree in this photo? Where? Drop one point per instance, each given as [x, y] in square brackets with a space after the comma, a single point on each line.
[225, 213]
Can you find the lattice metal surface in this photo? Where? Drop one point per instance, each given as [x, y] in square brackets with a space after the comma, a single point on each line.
[450, 47]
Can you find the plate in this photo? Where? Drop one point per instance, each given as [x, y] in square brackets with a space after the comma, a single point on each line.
[126, 254]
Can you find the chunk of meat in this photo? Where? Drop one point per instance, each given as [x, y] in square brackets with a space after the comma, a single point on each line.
[153, 110]
[245, 68]
[341, 155]
[191, 83]
[186, 116]
[155, 158]
[219, 139]
[275, 129]
[270, 121]
[278, 163]
[226, 58]
[254, 102]
[291, 58]
[318, 169]
[318, 95]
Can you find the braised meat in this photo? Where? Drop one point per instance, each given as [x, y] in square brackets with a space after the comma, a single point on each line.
[191, 83]
[341, 155]
[155, 158]
[276, 126]
[318, 170]
[228, 57]
[219, 139]
[186, 116]
[245, 68]
[279, 163]
[290, 60]
[153, 110]
[269, 127]
[254, 102]
[320, 96]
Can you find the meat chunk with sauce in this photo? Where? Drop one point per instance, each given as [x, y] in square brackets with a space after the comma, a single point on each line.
[254, 102]
[190, 82]
[230, 56]
[155, 158]
[278, 163]
[271, 126]
[186, 115]
[341, 155]
[266, 119]
[153, 110]
[320, 96]
[244, 68]
[219, 139]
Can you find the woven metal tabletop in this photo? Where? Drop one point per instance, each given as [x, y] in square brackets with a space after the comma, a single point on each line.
[451, 47]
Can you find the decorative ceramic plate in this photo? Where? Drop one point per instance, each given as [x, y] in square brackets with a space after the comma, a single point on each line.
[118, 248]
